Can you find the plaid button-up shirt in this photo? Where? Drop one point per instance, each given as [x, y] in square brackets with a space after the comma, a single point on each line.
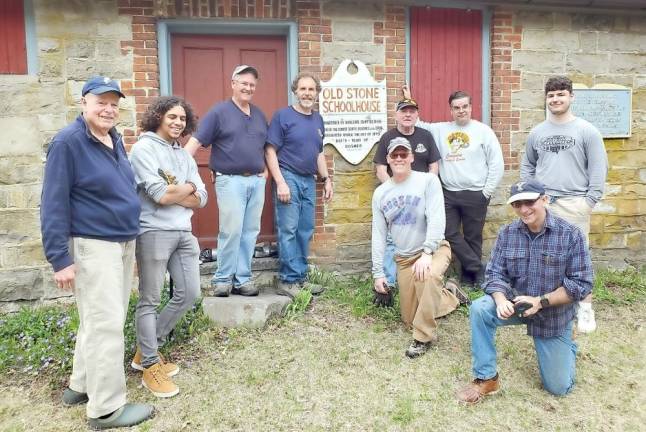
[557, 257]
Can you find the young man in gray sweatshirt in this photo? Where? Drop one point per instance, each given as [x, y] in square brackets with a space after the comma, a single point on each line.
[409, 206]
[471, 168]
[567, 155]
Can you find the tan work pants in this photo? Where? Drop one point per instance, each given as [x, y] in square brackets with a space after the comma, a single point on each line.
[104, 272]
[422, 301]
[576, 210]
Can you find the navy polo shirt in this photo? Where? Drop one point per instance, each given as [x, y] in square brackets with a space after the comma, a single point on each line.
[298, 139]
[237, 140]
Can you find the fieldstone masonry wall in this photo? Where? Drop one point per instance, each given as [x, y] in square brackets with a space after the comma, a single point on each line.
[592, 49]
[77, 39]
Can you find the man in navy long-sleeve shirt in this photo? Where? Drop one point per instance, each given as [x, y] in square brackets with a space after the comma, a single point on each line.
[540, 263]
[89, 220]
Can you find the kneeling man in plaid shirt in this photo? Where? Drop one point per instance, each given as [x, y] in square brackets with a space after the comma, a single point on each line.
[539, 268]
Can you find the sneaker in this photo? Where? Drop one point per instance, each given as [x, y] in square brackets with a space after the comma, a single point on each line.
[477, 389]
[171, 369]
[72, 397]
[221, 289]
[585, 318]
[454, 287]
[315, 289]
[248, 289]
[156, 380]
[128, 415]
[288, 289]
[417, 348]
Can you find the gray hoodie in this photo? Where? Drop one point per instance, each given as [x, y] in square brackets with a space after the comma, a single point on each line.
[148, 156]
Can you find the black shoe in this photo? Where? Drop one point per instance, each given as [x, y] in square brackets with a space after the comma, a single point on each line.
[71, 397]
[417, 348]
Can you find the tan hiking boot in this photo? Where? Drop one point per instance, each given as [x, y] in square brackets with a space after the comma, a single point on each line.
[156, 380]
[171, 369]
[478, 389]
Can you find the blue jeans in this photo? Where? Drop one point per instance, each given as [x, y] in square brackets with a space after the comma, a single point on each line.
[240, 202]
[556, 355]
[390, 266]
[295, 225]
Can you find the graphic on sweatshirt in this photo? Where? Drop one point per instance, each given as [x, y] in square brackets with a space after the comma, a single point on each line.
[401, 210]
[556, 143]
[457, 141]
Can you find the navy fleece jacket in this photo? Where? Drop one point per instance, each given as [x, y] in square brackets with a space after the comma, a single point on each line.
[89, 191]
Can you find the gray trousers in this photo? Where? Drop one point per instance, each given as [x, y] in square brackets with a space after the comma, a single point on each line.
[177, 251]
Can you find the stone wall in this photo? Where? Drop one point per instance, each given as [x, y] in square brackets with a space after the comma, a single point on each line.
[590, 49]
[76, 39]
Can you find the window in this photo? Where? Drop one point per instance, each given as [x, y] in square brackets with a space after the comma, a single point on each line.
[13, 49]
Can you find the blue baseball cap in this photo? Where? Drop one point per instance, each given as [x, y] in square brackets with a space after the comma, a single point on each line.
[99, 84]
[526, 190]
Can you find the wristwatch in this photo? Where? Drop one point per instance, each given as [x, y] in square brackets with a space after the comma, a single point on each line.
[427, 251]
[324, 179]
[545, 302]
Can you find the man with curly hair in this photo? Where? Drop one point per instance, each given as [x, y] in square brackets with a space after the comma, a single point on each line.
[470, 170]
[169, 188]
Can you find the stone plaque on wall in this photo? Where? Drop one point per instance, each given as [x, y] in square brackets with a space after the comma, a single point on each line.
[607, 106]
[353, 106]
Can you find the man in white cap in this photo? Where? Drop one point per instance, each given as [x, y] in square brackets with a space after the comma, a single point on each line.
[539, 266]
[236, 130]
[409, 206]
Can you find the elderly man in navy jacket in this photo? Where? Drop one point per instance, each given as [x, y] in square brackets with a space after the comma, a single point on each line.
[90, 219]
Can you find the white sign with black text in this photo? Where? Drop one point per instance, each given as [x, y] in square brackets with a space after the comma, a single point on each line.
[353, 106]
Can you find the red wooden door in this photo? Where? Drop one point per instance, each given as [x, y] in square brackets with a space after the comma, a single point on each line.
[445, 56]
[201, 68]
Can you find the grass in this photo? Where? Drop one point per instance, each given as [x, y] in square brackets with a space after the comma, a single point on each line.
[337, 364]
[40, 342]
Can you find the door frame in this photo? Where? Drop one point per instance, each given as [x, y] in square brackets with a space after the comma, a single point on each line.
[486, 46]
[165, 28]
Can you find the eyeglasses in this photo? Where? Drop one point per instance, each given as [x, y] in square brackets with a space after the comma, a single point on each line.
[521, 203]
[399, 155]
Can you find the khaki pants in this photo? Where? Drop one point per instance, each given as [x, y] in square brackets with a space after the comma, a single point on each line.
[576, 210]
[104, 272]
[422, 301]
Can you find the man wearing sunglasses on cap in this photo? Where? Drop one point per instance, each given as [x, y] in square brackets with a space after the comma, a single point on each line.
[425, 159]
[410, 208]
[539, 266]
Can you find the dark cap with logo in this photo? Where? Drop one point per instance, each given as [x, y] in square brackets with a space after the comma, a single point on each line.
[99, 84]
[405, 103]
[526, 190]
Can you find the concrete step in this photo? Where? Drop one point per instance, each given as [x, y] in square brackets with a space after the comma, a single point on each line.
[264, 273]
[241, 311]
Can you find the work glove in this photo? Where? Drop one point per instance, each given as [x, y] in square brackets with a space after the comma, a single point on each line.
[383, 300]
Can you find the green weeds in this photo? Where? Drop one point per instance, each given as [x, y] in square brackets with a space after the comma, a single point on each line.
[40, 341]
[620, 286]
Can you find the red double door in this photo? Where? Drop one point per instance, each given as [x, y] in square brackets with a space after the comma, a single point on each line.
[201, 69]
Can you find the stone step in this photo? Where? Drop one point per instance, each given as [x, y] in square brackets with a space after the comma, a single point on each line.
[241, 311]
[264, 273]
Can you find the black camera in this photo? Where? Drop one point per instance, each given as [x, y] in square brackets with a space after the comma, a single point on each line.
[520, 308]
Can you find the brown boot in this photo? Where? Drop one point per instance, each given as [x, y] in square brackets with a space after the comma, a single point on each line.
[171, 369]
[477, 389]
[156, 380]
